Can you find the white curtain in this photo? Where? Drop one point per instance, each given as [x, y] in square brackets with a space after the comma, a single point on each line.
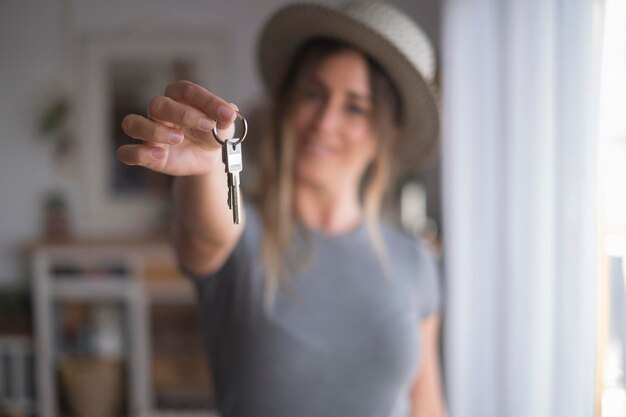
[520, 80]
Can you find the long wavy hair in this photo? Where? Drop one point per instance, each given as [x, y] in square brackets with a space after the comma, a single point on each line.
[275, 192]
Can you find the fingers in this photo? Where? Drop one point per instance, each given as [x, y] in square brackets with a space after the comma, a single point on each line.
[187, 110]
[138, 127]
[200, 98]
[144, 155]
[165, 109]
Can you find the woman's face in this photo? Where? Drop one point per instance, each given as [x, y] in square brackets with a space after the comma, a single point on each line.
[331, 120]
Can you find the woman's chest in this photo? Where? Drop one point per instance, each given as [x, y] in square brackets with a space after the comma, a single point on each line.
[344, 318]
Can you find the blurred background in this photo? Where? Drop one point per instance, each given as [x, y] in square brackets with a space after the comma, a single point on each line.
[525, 203]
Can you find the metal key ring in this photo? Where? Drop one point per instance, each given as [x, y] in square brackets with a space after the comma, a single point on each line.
[222, 141]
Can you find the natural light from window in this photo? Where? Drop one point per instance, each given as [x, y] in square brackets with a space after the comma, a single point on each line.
[613, 203]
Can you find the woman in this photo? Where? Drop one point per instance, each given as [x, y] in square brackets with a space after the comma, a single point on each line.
[311, 306]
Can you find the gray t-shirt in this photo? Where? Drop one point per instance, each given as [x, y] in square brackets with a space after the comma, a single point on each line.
[343, 339]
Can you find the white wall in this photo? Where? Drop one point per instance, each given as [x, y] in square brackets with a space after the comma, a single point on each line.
[32, 62]
[28, 61]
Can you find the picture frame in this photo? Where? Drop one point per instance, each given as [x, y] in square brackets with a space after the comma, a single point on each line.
[118, 74]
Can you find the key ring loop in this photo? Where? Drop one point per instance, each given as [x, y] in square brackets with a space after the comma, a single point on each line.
[245, 131]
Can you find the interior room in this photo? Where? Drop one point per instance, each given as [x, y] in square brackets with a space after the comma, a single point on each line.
[517, 205]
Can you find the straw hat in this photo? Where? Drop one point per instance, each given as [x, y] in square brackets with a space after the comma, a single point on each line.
[382, 32]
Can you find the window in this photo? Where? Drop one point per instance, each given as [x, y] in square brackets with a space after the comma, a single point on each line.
[612, 211]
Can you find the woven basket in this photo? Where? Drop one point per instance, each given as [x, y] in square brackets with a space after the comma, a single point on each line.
[93, 386]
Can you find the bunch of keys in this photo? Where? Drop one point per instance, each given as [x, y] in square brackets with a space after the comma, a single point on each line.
[233, 165]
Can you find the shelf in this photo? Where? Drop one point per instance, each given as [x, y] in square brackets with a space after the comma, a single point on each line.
[75, 277]
[183, 413]
[88, 288]
[80, 289]
[170, 292]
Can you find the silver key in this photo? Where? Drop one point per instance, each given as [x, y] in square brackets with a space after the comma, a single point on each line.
[233, 164]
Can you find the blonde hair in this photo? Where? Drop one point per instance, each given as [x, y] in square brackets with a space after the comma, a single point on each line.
[275, 194]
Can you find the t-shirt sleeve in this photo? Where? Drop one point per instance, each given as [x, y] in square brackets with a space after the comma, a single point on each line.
[429, 282]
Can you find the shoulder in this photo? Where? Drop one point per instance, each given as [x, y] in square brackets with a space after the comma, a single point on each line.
[415, 263]
[243, 253]
[403, 244]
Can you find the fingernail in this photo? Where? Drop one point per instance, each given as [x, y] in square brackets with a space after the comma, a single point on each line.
[205, 124]
[175, 138]
[158, 153]
[225, 113]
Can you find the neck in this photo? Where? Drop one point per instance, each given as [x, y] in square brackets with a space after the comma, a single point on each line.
[331, 211]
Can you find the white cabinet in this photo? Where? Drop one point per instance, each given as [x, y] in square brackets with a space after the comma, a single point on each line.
[112, 285]
[16, 357]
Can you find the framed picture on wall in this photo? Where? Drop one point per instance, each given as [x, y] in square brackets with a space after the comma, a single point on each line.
[120, 73]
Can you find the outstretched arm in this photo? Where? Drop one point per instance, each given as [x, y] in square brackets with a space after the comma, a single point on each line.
[176, 139]
[427, 393]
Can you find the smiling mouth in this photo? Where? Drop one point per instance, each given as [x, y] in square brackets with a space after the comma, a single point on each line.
[317, 148]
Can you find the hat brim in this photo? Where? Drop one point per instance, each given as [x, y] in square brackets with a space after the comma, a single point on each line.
[294, 25]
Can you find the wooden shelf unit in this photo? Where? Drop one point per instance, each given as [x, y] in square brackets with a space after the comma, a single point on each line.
[145, 276]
